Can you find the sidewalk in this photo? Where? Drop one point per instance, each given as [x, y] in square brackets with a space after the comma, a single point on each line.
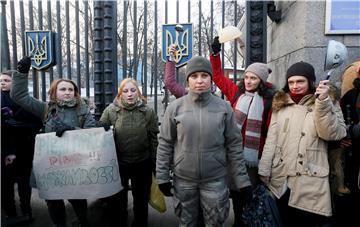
[167, 219]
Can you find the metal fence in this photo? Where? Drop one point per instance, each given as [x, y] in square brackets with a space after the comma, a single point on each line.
[98, 43]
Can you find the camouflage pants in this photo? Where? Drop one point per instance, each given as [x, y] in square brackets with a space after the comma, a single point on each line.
[212, 196]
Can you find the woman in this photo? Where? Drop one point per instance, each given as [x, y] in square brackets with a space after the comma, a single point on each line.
[16, 158]
[251, 101]
[199, 140]
[135, 133]
[294, 163]
[65, 111]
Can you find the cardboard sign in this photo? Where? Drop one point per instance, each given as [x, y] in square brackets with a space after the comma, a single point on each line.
[82, 164]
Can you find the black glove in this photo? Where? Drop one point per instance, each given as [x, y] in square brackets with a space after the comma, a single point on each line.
[23, 66]
[165, 188]
[106, 126]
[60, 128]
[216, 46]
[248, 194]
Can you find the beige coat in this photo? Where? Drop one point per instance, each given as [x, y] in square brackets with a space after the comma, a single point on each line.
[295, 154]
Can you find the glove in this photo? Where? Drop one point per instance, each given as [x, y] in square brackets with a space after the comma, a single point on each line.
[6, 113]
[248, 194]
[106, 126]
[216, 46]
[165, 188]
[61, 128]
[23, 66]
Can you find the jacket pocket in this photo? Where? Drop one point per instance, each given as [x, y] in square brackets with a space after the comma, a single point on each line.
[317, 162]
[317, 171]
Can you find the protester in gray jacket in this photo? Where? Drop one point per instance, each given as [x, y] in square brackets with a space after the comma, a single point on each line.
[200, 138]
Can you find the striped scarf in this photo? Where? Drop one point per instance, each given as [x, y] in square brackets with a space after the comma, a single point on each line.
[248, 113]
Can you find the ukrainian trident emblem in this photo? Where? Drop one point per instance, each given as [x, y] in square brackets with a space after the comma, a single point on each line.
[40, 47]
[181, 35]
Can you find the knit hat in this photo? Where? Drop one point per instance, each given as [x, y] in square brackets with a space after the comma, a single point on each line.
[198, 64]
[302, 69]
[260, 69]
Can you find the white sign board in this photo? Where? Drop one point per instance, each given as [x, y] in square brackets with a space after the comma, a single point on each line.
[82, 164]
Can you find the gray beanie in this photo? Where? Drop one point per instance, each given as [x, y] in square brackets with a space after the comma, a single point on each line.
[198, 64]
[260, 69]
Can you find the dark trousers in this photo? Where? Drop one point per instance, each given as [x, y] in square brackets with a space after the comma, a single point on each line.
[238, 198]
[57, 211]
[19, 173]
[140, 175]
[292, 217]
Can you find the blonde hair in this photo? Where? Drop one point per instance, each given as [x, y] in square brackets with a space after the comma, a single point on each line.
[122, 85]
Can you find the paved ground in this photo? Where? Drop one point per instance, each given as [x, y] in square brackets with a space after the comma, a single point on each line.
[167, 219]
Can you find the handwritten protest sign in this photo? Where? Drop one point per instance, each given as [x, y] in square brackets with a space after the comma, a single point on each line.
[82, 164]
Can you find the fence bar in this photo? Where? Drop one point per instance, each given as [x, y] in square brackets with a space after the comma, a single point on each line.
[235, 44]
[189, 11]
[177, 11]
[124, 42]
[22, 27]
[156, 50]
[42, 73]
[51, 71]
[58, 41]
[77, 34]
[86, 54]
[199, 27]
[211, 21]
[144, 88]
[5, 53]
[13, 31]
[135, 40]
[34, 72]
[67, 31]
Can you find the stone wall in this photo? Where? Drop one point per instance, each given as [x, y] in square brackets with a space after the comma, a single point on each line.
[300, 36]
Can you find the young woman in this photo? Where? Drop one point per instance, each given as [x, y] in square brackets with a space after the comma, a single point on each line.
[294, 164]
[16, 158]
[135, 133]
[199, 140]
[65, 111]
[251, 101]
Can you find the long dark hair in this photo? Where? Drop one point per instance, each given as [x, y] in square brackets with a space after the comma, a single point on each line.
[263, 88]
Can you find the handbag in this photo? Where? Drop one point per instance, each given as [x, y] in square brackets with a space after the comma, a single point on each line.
[262, 211]
[156, 198]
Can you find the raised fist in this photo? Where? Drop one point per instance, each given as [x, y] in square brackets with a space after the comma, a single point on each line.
[216, 46]
[23, 66]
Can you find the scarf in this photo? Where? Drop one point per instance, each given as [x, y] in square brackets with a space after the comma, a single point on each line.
[248, 113]
[130, 106]
[297, 97]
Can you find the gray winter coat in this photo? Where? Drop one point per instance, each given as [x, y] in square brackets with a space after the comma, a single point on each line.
[199, 135]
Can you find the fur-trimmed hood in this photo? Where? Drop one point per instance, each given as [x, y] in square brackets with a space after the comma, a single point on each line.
[282, 99]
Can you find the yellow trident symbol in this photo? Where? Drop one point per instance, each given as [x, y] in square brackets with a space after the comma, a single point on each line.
[38, 52]
[181, 47]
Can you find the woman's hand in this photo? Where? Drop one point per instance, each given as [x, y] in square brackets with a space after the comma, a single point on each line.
[322, 91]
[265, 179]
[9, 159]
